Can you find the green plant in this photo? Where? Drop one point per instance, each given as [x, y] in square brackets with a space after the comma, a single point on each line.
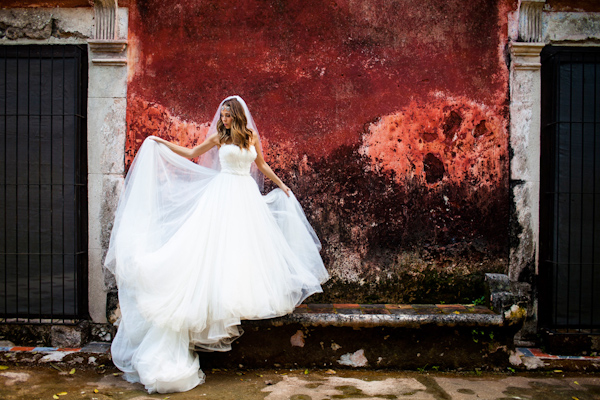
[422, 369]
[480, 301]
[479, 335]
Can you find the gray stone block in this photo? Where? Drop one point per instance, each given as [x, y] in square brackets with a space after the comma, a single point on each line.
[502, 293]
[69, 336]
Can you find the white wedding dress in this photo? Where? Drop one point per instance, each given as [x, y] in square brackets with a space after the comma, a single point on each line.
[195, 251]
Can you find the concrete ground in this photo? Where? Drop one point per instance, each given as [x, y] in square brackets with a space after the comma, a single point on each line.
[101, 383]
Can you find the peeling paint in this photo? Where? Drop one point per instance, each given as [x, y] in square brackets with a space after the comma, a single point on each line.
[356, 359]
[446, 138]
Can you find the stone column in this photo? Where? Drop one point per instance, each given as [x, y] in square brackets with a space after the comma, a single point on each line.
[525, 138]
[106, 142]
[525, 108]
[525, 98]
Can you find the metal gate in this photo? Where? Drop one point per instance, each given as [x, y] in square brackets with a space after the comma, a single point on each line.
[43, 183]
[570, 190]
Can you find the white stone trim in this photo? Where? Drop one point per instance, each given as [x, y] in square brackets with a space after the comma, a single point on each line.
[525, 105]
[107, 46]
[107, 104]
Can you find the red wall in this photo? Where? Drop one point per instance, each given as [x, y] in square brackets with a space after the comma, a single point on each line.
[387, 118]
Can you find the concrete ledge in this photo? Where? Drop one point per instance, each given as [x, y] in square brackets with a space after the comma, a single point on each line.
[397, 321]
[390, 315]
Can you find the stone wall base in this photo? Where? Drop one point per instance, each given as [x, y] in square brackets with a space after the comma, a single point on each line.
[56, 335]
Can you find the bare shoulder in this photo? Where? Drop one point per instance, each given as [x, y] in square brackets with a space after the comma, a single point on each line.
[213, 139]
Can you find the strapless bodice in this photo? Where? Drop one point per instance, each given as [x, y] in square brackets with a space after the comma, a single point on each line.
[235, 160]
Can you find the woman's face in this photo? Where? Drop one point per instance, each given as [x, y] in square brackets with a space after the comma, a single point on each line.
[226, 118]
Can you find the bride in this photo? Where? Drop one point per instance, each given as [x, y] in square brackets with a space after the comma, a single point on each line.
[195, 249]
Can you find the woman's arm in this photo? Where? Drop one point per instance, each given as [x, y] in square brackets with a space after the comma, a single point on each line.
[265, 169]
[208, 144]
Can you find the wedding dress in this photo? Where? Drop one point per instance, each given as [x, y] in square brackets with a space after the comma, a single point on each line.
[195, 251]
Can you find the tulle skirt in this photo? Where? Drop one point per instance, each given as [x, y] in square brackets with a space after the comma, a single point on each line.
[194, 252]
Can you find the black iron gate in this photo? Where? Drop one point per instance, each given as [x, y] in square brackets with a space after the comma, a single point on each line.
[570, 190]
[43, 183]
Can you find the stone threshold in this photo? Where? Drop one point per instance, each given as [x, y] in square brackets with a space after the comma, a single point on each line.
[390, 315]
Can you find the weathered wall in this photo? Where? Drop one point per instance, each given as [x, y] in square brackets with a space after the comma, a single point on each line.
[45, 26]
[388, 119]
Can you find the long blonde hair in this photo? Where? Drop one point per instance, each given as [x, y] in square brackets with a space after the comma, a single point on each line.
[239, 133]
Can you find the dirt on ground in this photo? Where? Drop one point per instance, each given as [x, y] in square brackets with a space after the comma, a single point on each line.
[102, 383]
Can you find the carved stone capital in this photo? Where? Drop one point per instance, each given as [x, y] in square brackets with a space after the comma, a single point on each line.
[526, 55]
[107, 46]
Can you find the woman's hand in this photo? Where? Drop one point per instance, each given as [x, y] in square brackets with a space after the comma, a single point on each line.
[285, 189]
[157, 139]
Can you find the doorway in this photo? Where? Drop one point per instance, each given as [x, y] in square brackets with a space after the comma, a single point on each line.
[43, 183]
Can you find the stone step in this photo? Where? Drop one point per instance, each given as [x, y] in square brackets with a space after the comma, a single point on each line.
[391, 315]
[415, 336]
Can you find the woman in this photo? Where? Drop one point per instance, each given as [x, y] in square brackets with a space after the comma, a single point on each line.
[195, 250]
